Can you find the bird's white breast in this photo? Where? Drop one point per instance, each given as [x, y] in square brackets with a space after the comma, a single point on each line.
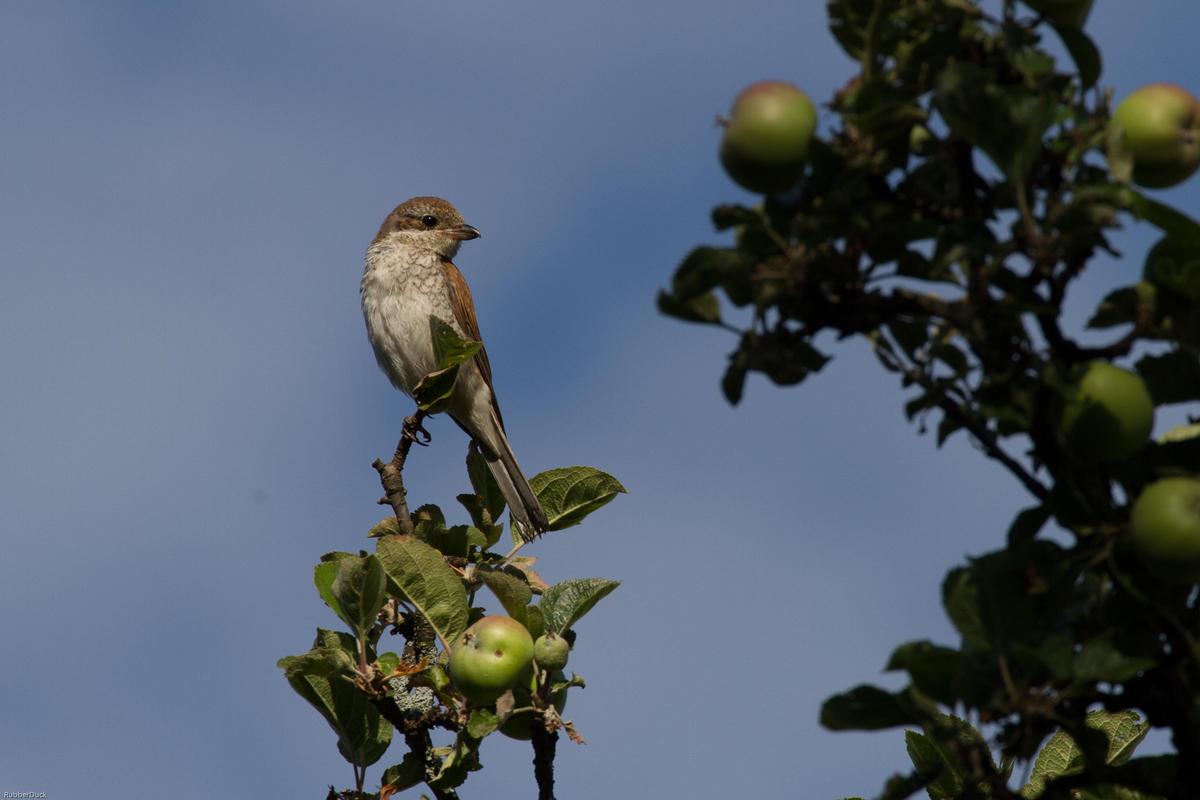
[401, 288]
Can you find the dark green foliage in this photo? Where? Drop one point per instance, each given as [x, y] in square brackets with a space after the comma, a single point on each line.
[961, 190]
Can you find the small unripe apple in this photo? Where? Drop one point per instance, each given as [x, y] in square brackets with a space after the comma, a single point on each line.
[767, 136]
[551, 651]
[1108, 413]
[1158, 128]
[489, 658]
[1165, 524]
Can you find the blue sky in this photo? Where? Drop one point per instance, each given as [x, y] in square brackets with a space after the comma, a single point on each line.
[191, 406]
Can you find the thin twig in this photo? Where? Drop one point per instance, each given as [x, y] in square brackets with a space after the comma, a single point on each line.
[390, 474]
[986, 438]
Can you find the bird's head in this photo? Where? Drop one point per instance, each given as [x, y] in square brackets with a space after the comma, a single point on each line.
[426, 223]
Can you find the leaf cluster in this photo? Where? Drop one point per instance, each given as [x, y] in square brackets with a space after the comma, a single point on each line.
[419, 591]
[961, 191]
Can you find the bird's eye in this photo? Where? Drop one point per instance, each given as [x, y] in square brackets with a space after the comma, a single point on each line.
[429, 220]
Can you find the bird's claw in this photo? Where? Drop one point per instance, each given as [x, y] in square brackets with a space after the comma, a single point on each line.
[415, 432]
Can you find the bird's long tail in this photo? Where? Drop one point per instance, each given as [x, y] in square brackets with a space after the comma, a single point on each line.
[522, 502]
[526, 511]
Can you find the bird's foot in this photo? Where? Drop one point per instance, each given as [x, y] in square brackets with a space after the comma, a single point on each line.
[415, 432]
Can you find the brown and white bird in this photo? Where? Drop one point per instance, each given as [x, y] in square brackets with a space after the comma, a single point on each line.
[409, 277]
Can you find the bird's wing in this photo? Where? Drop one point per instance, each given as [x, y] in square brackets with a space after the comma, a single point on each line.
[464, 312]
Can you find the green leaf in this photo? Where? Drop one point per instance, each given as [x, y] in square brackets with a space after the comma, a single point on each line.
[323, 577]
[485, 486]
[725, 217]
[868, 708]
[994, 602]
[939, 672]
[1165, 218]
[430, 527]
[1172, 377]
[510, 588]
[940, 756]
[1083, 52]
[1061, 756]
[360, 589]
[1173, 263]
[564, 603]
[387, 663]
[421, 577]
[568, 494]
[1119, 307]
[733, 383]
[933, 765]
[1062, 12]
[433, 391]
[338, 640]
[1028, 523]
[703, 308]
[1006, 122]
[848, 22]
[321, 678]
[786, 358]
[960, 596]
[1180, 433]
[1125, 731]
[322, 661]
[482, 722]
[910, 334]
[489, 533]
[946, 428]
[428, 513]
[535, 621]
[952, 357]
[457, 761]
[1100, 660]
[450, 348]
[708, 268]
[455, 541]
[388, 526]
[405, 775]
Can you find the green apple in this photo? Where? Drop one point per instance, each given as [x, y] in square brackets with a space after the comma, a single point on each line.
[520, 726]
[489, 657]
[1165, 526]
[1158, 129]
[551, 651]
[767, 136]
[1107, 414]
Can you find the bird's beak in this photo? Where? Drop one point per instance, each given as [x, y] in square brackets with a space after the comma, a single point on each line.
[463, 232]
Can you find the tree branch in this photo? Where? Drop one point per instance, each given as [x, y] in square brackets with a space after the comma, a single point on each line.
[390, 474]
[986, 438]
[544, 744]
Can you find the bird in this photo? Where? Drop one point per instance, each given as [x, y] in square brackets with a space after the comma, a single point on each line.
[410, 276]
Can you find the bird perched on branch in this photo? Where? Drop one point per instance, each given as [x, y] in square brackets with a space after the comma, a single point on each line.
[410, 277]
